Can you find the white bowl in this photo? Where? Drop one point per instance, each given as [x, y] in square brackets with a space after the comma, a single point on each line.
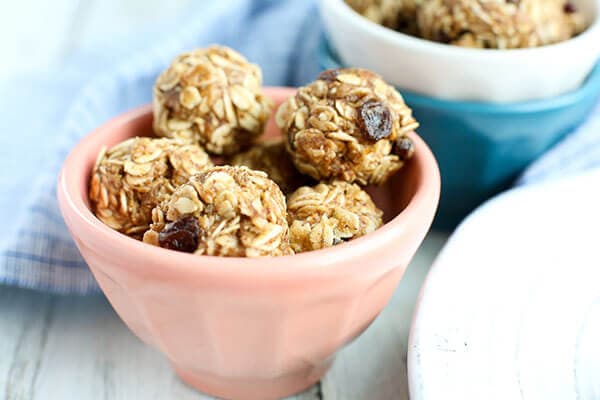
[457, 73]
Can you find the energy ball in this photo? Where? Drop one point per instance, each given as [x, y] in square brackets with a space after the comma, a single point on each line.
[212, 97]
[225, 211]
[499, 24]
[271, 157]
[399, 15]
[555, 20]
[330, 213]
[348, 125]
[134, 176]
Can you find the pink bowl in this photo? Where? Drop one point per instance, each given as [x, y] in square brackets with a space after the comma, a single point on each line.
[248, 328]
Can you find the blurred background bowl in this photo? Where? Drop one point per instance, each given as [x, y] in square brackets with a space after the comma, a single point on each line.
[482, 147]
[456, 73]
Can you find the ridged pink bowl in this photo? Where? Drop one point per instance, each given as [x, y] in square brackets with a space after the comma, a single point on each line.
[243, 328]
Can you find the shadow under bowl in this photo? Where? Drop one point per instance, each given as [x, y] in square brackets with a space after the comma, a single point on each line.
[248, 328]
[482, 147]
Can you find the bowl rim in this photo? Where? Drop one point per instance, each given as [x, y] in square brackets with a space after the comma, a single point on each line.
[105, 239]
[441, 49]
[589, 88]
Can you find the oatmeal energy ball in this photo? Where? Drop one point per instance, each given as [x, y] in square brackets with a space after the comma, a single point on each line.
[225, 211]
[271, 157]
[399, 15]
[348, 125]
[213, 97]
[330, 213]
[499, 24]
[131, 178]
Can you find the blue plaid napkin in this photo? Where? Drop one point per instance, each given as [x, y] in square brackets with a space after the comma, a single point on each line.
[50, 114]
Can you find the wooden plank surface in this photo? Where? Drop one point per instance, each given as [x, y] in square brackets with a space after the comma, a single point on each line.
[77, 348]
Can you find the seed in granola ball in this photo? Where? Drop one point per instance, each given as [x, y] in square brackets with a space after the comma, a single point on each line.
[212, 97]
[330, 213]
[375, 120]
[239, 212]
[271, 157]
[180, 235]
[498, 24]
[131, 178]
[344, 126]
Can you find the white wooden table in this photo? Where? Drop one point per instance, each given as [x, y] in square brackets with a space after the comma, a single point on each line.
[54, 347]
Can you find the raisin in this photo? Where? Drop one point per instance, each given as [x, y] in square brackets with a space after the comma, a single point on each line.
[180, 235]
[443, 37]
[402, 26]
[404, 148]
[570, 8]
[329, 75]
[375, 120]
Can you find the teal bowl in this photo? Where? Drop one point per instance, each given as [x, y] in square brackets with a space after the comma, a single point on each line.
[482, 147]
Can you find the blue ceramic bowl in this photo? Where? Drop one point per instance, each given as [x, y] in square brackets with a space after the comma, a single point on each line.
[482, 147]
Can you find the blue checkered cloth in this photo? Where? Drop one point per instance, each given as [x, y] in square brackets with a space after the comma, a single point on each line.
[49, 114]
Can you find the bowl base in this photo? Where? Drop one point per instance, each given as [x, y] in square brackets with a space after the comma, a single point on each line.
[253, 388]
